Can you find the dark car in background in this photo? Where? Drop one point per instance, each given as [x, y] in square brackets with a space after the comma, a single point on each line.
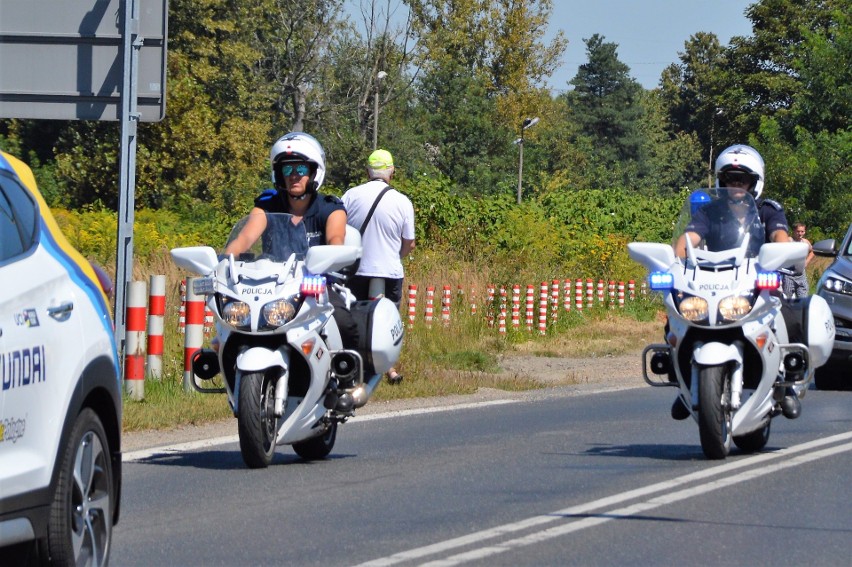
[835, 286]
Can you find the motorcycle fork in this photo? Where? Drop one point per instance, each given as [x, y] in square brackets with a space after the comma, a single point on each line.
[281, 388]
[735, 377]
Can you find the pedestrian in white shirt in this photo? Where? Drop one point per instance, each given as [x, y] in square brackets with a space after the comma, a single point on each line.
[385, 218]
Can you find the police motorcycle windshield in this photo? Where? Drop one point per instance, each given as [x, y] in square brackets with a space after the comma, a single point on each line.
[725, 218]
[276, 235]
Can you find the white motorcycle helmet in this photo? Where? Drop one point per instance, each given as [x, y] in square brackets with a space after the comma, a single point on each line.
[746, 159]
[298, 146]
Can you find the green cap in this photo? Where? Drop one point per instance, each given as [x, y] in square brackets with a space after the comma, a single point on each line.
[380, 159]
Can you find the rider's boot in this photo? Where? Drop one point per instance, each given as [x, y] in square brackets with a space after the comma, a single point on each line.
[679, 409]
[345, 403]
[791, 407]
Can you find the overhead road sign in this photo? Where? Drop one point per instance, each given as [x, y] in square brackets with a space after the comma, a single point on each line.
[62, 60]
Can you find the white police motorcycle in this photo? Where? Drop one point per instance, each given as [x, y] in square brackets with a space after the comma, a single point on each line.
[288, 377]
[734, 346]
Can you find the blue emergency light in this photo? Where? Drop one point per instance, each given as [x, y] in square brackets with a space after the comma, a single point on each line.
[313, 286]
[661, 281]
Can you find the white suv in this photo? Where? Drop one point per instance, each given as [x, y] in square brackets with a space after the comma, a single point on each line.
[60, 390]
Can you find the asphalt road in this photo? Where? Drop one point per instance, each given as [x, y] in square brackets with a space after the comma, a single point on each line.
[554, 478]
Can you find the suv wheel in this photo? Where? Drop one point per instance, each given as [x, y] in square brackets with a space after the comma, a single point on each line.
[80, 530]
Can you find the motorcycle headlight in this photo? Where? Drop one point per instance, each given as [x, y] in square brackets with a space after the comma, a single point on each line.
[237, 314]
[693, 308]
[278, 312]
[734, 307]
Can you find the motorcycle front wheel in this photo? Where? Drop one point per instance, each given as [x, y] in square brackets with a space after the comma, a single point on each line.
[714, 411]
[317, 447]
[257, 424]
[754, 441]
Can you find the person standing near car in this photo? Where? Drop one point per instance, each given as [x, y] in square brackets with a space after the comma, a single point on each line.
[796, 285]
[385, 218]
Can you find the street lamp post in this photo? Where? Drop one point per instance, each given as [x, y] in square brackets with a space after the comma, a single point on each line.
[716, 112]
[379, 76]
[528, 122]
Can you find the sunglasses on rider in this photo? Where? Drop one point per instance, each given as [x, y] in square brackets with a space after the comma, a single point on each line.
[301, 169]
[736, 178]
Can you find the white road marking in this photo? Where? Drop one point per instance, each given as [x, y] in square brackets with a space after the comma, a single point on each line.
[666, 487]
[142, 454]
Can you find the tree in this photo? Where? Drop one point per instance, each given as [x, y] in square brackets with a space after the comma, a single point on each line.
[468, 145]
[481, 64]
[822, 63]
[606, 103]
[692, 92]
[291, 37]
[764, 76]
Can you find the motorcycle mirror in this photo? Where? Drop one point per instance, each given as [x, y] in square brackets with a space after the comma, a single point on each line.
[197, 259]
[774, 255]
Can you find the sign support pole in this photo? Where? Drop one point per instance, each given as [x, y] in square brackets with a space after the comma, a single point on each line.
[132, 43]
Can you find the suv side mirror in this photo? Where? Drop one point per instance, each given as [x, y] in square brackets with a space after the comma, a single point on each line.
[825, 248]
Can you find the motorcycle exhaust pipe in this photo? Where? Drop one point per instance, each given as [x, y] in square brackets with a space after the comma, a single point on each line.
[205, 364]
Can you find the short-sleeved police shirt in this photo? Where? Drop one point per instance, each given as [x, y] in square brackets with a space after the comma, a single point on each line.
[314, 219]
[722, 231]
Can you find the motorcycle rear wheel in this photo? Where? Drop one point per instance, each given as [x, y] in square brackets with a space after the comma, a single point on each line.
[714, 411]
[317, 447]
[257, 424]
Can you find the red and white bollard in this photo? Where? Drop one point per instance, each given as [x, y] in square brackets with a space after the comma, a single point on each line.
[446, 299]
[621, 294]
[473, 301]
[412, 304]
[156, 325]
[501, 322]
[134, 343]
[208, 321]
[578, 294]
[600, 292]
[542, 308]
[530, 305]
[516, 306]
[566, 295]
[430, 305]
[182, 311]
[554, 300]
[631, 289]
[489, 305]
[194, 337]
[590, 293]
[611, 294]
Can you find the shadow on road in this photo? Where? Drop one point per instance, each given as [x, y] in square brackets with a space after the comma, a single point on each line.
[222, 460]
[650, 451]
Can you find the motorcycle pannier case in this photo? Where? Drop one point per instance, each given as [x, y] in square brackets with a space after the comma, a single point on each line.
[811, 323]
[380, 333]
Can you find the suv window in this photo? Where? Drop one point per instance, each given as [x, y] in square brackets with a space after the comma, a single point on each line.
[17, 219]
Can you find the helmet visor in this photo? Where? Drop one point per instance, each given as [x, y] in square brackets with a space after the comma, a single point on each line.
[736, 179]
[301, 169]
